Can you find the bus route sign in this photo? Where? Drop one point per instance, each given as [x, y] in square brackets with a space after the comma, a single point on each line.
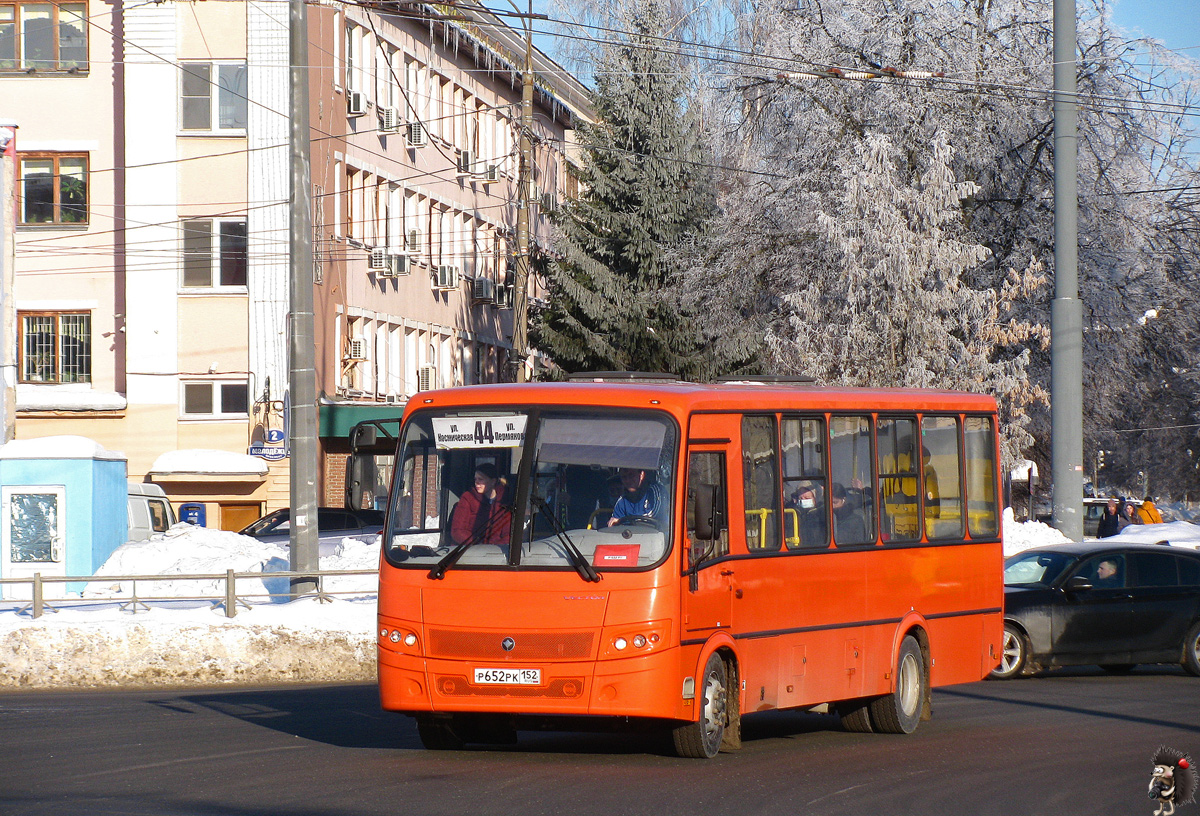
[507, 431]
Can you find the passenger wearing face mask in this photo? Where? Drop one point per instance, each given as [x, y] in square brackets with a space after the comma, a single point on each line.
[809, 503]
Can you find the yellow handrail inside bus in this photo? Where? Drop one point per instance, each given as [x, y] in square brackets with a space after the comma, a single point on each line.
[761, 534]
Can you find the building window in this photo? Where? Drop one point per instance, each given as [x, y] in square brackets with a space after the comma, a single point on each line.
[212, 96]
[54, 189]
[56, 347]
[43, 37]
[216, 399]
[214, 253]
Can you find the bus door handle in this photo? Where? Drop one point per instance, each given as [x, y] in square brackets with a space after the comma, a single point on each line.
[728, 573]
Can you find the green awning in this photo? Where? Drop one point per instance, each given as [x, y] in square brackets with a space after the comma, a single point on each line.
[336, 419]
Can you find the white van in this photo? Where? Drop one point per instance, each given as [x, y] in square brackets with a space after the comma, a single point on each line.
[149, 511]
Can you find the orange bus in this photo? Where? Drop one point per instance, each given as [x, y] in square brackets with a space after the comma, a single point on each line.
[687, 554]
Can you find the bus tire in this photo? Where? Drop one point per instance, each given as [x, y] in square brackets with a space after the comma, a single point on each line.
[900, 711]
[1191, 650]
[855, 716]
[1014, 654]
[438, 734]
[702, 739]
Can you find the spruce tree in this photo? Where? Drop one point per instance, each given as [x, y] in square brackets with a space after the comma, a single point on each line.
[645, 190]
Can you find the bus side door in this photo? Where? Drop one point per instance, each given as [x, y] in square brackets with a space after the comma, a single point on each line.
[708, 589]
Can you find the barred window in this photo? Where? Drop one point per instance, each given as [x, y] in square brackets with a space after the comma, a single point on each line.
[56, 347]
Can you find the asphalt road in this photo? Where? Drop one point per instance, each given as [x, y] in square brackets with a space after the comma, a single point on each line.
[1071, 742]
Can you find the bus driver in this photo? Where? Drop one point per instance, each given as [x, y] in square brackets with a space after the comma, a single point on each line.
[640, 496]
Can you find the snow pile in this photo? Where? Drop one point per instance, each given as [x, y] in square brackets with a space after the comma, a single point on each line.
[304, 641]
[193, 642]
[1021, 535]
[189, 550]
[1177, 533]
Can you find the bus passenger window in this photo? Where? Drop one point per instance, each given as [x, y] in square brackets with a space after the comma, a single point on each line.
[707, 470]
[898, 480]
[805, 487]
[852, 495]
[982, 516]
[760, 475]
[940, 494]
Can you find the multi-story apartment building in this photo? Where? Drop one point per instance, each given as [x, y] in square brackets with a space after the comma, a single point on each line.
[152, 256]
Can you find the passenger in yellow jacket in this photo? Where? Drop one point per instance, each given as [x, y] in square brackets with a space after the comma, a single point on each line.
[1148, 513]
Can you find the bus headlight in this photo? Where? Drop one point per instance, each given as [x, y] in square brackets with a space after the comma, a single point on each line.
[620, 643]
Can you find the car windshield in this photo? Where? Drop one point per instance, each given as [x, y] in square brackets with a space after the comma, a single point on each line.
[1035, 569]
[586, 490]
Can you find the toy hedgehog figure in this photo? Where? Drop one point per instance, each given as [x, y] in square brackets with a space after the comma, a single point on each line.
[1173, 781]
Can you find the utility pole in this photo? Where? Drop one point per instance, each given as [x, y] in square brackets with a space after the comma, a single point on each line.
[8, 311]
[524, 193]
[1066, 313]
[302, 533]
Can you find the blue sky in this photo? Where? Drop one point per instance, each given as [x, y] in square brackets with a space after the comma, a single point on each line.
[1175, 22]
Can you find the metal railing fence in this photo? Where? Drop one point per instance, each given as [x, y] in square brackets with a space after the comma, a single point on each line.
[229, 599]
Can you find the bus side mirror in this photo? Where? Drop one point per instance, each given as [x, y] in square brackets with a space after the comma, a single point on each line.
[363, 436]
[706, 512]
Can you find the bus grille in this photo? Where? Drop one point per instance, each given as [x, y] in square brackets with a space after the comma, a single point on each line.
[459, 686]
[526, 645]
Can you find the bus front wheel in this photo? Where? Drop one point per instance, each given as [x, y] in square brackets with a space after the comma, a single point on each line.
[900, 711]
[702, 739]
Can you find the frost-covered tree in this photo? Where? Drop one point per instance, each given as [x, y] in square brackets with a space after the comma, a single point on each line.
[646, 191]
[799, 121]
[901, 312]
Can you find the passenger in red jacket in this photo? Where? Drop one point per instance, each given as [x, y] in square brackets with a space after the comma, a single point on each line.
[480, 512]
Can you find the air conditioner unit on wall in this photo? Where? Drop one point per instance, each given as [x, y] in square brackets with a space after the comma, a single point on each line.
[491, 174]
[389, 119]
[397, 265]
[357, 349]
[415, 134]
[504, 297]
[356, 103]
[466, 163]
[446, 277]
[483, 290]
[427, 378]
[377, 259]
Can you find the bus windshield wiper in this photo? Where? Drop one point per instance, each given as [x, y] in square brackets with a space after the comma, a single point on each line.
[581, 565]
[451, 558]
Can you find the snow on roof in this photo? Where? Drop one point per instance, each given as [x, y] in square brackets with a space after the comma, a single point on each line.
[64, 398]
[200, 460]
[57, 447]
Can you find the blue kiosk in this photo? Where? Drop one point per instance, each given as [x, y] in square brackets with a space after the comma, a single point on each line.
[64, 510]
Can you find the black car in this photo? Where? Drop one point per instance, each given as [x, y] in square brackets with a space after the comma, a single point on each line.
[333, 524]
[1100, 602]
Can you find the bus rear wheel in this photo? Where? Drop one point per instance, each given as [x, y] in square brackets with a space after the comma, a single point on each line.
[900, 711]
[702, 739]
[855, 715]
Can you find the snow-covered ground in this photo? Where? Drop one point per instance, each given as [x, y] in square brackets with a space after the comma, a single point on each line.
[185, 642]
[190, 642]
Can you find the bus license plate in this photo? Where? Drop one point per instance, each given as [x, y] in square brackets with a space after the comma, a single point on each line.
[509, 677]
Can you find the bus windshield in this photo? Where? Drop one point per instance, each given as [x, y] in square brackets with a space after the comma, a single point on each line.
[556, 489]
